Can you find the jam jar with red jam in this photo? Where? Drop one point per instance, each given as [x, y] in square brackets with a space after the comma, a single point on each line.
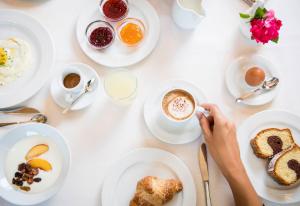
[114, 10]
[100, 34]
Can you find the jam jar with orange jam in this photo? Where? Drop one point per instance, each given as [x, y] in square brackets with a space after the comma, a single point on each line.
[114, 10]
[131, 31]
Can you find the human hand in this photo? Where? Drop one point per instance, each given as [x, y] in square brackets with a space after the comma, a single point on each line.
[220, 137]
[221, 140]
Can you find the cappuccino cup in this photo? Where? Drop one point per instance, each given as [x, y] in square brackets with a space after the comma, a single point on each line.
[178, 107]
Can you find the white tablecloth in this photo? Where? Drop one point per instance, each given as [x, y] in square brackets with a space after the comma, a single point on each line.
[101, 134]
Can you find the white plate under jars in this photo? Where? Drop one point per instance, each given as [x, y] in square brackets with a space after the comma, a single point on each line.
[119, 55]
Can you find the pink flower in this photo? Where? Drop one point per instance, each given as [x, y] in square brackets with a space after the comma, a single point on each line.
[265, 29]
[270, 14]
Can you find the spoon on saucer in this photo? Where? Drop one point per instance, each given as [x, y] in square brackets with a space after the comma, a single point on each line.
[39, 118]
[88, 88]
[267, 86]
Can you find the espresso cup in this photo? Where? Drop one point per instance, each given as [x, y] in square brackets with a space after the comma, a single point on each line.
[179, 106]
[71, 82]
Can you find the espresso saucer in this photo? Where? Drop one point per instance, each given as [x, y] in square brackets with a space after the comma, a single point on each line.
[58, 94]
[164, 132]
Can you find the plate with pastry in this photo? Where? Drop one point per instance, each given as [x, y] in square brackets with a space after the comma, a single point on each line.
[269, 144]
[149, 176]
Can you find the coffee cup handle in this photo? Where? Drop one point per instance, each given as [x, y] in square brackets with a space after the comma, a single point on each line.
[202, 110]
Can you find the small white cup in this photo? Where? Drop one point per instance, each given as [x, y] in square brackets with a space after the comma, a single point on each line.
[70, 93]
[173, 123]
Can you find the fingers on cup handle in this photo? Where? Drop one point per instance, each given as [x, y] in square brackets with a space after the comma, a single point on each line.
[204, 123]
[210, 107]
[203, 111]
[213, 110]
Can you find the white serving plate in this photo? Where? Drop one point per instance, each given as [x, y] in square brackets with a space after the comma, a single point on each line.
[14, 196]
[118, 55]
[18, 24]
[264, 185]
[120, 184]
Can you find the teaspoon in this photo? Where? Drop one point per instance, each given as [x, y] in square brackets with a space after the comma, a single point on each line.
[88, 88]
[267, 86]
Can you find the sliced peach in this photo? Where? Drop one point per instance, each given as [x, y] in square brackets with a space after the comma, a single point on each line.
[41, 164]
[36, 151]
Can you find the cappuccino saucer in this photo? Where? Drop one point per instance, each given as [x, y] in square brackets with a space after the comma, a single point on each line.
[164, 132]
[59, 95]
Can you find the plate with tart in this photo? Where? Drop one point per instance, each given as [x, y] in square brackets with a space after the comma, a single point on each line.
[269, 144]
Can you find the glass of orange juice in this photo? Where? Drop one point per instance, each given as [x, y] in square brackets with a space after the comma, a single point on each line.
[131, 31]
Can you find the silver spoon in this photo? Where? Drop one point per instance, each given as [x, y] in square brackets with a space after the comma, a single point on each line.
[88, 88]
[39, 118]
[267, 86]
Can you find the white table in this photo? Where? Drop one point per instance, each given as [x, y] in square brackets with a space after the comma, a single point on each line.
[101, 134]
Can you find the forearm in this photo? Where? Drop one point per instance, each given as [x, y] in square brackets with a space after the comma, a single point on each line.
[242, 189]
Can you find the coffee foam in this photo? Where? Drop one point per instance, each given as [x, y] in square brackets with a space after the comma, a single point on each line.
[178, 104]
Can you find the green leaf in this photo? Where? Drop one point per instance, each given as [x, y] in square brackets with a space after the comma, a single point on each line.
[275, 40]
[244, 16]
[260, 13]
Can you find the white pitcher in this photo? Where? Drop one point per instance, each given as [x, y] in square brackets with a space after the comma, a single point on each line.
[188, 13]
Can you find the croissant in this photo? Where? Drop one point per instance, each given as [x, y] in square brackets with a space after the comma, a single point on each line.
[152, 191]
